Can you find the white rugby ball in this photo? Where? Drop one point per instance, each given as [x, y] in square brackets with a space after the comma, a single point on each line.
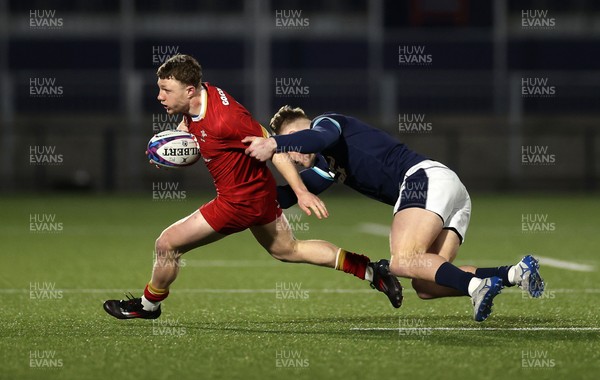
[173, 149]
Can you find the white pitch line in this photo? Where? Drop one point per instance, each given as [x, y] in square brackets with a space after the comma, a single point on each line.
[258, 291]
[476, 329]
[374, 229]
[547, 261]
[384, 230]
[217, 291]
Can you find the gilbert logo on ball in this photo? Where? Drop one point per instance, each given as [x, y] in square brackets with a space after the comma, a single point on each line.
[173, 149]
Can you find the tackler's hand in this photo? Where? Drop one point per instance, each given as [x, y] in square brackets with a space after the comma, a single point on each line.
[260, 148]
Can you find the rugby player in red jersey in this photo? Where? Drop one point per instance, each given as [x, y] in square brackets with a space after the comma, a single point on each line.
[246, 195]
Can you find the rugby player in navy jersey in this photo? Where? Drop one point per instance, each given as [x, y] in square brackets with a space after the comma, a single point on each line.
[431, 206]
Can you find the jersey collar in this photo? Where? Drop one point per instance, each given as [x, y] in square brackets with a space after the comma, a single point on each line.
[203, 104]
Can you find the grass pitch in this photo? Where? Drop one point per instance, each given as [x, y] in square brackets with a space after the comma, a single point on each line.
[234, 312]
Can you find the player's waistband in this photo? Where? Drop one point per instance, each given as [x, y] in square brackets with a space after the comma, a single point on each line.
[426, 164]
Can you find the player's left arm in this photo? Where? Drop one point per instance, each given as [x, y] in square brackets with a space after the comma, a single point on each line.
[317, 179]
[307, 201]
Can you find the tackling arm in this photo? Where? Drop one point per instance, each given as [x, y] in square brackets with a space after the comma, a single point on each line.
[324, 133]
[298, 190]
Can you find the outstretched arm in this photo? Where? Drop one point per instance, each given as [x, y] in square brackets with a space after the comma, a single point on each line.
[316, 179]
[307, 201]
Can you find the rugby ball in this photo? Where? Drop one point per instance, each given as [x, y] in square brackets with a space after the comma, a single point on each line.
[173, 149]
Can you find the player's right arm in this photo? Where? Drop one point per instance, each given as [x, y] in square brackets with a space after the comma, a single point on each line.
[325, 132]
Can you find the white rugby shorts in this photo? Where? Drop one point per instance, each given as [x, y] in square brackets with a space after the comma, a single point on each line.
[433, 186]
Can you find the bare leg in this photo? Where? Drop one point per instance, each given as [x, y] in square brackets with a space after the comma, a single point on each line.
[414, 231]
[277, 238]
[446, 245]
[188, 233]
[416, 241]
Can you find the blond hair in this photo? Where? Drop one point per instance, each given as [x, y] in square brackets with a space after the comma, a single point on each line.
[284, 116]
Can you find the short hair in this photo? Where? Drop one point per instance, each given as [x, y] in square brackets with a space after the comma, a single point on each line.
[183, 68]
[286, 115]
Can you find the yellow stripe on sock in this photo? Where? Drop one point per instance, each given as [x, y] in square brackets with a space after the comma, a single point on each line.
[341, 257]
[156, 291]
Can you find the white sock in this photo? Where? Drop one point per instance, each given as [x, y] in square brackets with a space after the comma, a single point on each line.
[473, 284]
[369, 274]
[149, 305]
[512, 275]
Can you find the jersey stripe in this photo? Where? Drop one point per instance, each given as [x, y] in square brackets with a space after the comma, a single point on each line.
[330, 119]
[265, 132]
[322, 173]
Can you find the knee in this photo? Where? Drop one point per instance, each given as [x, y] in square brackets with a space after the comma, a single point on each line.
[283, 252]
[162, 243]
[164, 248]
[403, 260]
[421, 289]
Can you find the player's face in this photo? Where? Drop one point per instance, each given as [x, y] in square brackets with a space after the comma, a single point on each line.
[174, 95]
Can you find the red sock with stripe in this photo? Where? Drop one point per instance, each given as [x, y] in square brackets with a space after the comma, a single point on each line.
[353, 263]
[153, 296]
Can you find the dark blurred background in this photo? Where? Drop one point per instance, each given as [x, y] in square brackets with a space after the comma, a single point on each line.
[504, 92]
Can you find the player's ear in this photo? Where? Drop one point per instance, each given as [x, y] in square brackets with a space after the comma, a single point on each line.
[190, 91]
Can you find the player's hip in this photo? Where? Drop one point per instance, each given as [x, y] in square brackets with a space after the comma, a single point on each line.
[229, 216]
[245, 189]
[431, 185]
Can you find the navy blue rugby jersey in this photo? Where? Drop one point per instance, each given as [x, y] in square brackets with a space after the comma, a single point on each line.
[362, 157]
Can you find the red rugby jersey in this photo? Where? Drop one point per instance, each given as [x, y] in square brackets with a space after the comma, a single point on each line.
[219, 128]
